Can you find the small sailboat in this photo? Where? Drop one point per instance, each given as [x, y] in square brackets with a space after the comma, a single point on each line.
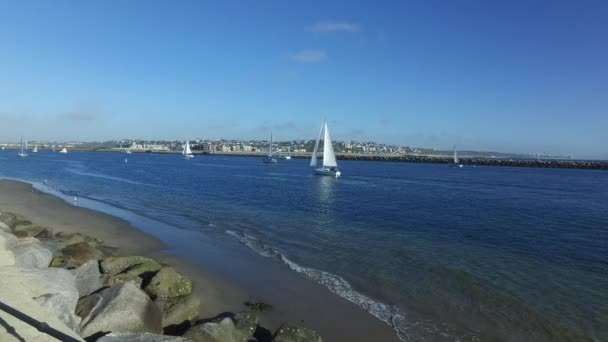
[23, 152]
[127, 151]
[35, 150]
[186, 152]
[330, 165]
[64, 150]
[270, 158]
[456, 160]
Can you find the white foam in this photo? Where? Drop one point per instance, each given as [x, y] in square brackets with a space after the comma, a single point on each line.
[389, 314]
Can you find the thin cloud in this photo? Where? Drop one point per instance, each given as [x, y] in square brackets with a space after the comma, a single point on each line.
[333, 26]
[309, 56]
[79, 115]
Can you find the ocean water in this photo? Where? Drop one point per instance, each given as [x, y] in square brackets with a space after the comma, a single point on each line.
[439, 253]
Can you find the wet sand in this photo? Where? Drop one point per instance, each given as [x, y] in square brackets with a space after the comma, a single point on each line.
[223, 280]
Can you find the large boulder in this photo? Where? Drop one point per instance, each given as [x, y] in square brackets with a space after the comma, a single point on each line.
[177, 311]
[111, 280]
[115, 265]
[145, 270]
[30, 253]
[81, 252]
[9, 219]
[167, 283]
[7, 242]
[240, 327]
[88, 278]
[140, 337]
[293, 333]
[123, 307]
[17, 291]
[54, 289]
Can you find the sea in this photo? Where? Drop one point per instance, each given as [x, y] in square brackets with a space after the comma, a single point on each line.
[438, 253]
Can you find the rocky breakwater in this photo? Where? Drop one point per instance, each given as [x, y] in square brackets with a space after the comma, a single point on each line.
[83, 290]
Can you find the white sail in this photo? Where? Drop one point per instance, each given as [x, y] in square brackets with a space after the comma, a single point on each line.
[186, 151]
[26, 145]
[35, 149]
[64, 150]
[455, 156]
[313, 159]
[329, 157]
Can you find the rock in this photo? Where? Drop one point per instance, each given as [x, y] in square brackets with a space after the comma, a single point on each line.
[33, 231]
[7, 242]
[16, 291]
[30, 253]
[111, 280]
[59, 261]
[123, 307]
[5, 227]
[176, 311]
[146, 267]
[140, 337]
[240, 327]
[81, 252]
[292, 333]
[53, 288]
[88, 278]
[115, 265]
[167, 283]
[258, 306]
[9, 219]
[222, 331]
[72, 238]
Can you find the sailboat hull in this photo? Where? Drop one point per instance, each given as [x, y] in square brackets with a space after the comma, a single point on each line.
[188, 156]
[328, 172]
[269, 160]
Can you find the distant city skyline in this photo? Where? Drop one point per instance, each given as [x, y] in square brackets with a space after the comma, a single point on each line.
[514, 77]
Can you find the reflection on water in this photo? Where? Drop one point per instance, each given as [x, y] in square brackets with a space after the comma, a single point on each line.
[326, 189]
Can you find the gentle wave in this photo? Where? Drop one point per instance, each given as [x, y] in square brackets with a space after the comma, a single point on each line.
[101, 175]
[389, 314]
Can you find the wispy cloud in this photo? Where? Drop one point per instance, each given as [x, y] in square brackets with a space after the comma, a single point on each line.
[309, 56]
[333, 26]
[82, 113]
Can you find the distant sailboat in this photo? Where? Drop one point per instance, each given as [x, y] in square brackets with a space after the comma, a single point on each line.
[64, 150]
[35, 150]
[127, 151]
[23, 152]
[186, 152]
[270, 158]
[456, 160]
[330, 165]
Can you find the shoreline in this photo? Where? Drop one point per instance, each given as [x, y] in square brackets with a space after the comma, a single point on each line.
[421, 159]
[295, 298]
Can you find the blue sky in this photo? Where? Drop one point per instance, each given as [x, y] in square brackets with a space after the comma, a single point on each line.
[522, 76]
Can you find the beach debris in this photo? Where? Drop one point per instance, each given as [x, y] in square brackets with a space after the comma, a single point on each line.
[293, 333]
[88, 278]
[258, 306]
[140, 337]
[239, 327]
[123, 307]
[81, 252]
[30, 253]
[179, 311]
[115, 265]
[167, 283]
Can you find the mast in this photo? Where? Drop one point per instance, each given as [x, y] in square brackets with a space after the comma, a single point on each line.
[313, 159]
[21, 145]
[270, 147]
[329, 157]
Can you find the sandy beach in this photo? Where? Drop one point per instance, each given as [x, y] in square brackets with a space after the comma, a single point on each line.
[295, 298]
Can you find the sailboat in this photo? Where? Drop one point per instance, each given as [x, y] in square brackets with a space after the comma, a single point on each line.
[456, 160]
[329, 166]
[270, 158]
[64, 150]
[35, 150]
[23, 152]
[186, 152]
